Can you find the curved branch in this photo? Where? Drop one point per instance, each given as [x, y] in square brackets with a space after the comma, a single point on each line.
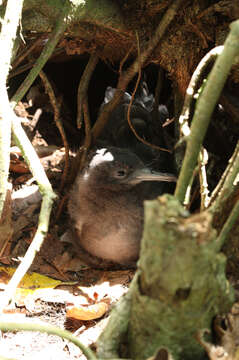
[83, 87]
[49, 329]
[131, 102]
[228, 225]
[226, 186]
[58, 122]
[195, 79]
[45, 188]
[205, 106]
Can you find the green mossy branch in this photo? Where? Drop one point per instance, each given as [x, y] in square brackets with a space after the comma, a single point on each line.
[228, 225]
[205, 106]
[230, 182]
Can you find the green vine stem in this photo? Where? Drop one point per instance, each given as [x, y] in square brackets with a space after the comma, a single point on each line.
[228, 225]
[33, 161]
[45, 188]
[49, 329]
[230, 180]
[61, 24]
[192, 87]
[7, 38]
[205, 106]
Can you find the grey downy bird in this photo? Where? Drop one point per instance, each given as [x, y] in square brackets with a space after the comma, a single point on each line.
[106, 207]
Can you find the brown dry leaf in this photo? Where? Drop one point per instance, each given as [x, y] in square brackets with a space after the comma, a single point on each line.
[90, 312]
[18, 166]
[62, 262]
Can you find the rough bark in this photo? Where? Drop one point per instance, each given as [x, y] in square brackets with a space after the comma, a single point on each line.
[182, 283]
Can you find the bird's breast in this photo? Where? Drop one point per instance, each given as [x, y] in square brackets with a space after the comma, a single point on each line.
[113, 231]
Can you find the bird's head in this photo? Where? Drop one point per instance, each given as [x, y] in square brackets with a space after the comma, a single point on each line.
[118, 169]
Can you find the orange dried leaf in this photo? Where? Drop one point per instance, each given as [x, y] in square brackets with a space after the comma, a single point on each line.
[88, 313]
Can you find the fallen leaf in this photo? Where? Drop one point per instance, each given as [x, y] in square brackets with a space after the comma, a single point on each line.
[30, 283]
[18, 166]
[90, 312]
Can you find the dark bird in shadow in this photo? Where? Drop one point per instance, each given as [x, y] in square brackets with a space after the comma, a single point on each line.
[106, 207]
[118, 133]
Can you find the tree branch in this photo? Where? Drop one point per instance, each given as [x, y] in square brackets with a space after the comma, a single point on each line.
[59, 29]
[7, 37]
[205, 106]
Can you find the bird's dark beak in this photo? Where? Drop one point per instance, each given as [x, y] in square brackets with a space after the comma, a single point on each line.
[146, 174]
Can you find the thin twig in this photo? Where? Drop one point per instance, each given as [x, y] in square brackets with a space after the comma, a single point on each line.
[186, 114]
[80, 158]
[29, 65]
[231, 180]
[87, 141]
[228, 225]
[127, 76]
[21, 69]
[45, 188]
[83, 86]
[27, 52]
[202, 162]
[61, 24]
[60, 207]
[58, 123]
[205, 107]
[124, 59]
[131, 102]
[187, 198]
[192, 87]
[219, 191]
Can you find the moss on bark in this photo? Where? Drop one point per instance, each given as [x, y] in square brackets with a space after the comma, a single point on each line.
[182, 283]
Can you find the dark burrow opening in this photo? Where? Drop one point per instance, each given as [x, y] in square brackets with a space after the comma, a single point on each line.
[65, 77]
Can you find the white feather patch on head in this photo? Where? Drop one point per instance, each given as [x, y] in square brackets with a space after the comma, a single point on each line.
[101, 155]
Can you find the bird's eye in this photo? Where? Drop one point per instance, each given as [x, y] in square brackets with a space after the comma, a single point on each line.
[121, 173]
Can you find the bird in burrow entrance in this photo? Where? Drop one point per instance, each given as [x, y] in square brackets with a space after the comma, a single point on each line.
[106, 207]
